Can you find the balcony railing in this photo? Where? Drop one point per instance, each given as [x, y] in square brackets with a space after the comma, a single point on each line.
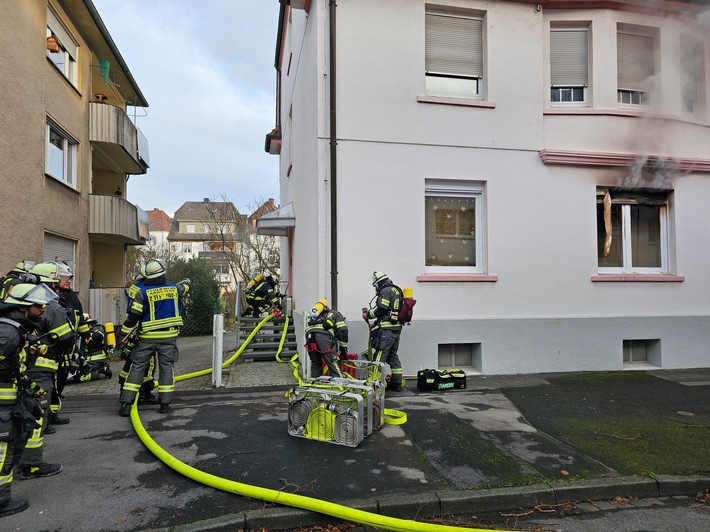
[116, 141]
[113, 220]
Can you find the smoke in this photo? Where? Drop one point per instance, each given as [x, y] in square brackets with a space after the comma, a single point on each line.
[656, 139]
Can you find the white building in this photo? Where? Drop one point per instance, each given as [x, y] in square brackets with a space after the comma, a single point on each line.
[536, 172]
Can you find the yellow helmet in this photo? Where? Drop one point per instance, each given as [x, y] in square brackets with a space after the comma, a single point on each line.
[30, 294]
[48, 272]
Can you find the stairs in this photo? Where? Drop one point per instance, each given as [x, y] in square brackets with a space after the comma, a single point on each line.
[266, 342]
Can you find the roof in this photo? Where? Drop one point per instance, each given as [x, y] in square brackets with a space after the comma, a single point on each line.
[206, 211]
[158, 220]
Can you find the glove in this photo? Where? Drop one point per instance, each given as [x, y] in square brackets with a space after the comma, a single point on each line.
[344, 354]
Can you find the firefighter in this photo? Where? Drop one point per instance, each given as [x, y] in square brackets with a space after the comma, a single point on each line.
[60, 339]
[386, 330]
[262, 295]
[321, 341]
[19, 312]
[145, 395]
[75, 314]
[93, 362]
[19, 274]
[157, 307]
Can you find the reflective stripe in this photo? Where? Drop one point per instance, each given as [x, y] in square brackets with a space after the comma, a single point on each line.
[159, 334]
[131, 387]
[8, 393]
[35, 440]
[4, 479]
[96, 357]
[166, 388]
[47, 363]
[162, 324]
[62, 330]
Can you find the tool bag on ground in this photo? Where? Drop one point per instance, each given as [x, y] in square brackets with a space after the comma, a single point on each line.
[441, 379]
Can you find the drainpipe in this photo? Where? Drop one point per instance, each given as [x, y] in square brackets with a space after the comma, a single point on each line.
[333, 169]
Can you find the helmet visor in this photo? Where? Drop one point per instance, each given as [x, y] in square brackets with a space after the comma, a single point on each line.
[38, 295]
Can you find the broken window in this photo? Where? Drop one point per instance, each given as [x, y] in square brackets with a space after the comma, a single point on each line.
[632, 235]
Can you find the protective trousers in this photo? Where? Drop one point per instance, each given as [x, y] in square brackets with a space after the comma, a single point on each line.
[10, 451]
[385, 343]
[148, 380]
[167, 352]
[33, 454]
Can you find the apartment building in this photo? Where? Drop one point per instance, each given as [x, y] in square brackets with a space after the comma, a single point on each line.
[67, 142]
[537, 172]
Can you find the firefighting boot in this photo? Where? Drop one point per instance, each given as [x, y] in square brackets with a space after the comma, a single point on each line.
[42, 470]
[125, 410]
[54, 419]
[165, 408]
[10, 507]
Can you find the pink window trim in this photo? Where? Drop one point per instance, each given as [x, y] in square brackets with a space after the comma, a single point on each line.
[456, 278]
[637, 278]
[578, 158]
[456, 101]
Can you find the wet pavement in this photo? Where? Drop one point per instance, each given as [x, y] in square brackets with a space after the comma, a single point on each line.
[459, 452]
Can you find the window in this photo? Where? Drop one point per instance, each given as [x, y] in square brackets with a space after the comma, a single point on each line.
[190, 228]
[459, 356]
[452, 224]
[187, 247]
[632, 231]
[692, 75]
[60, 161]
[569, 65]
[635, 65]
[63, 49]
[453, 54]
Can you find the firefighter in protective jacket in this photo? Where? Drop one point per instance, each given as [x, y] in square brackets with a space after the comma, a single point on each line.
[19, 312]
[92, 363]
[321, 341]
[59, 336]
[261, 295]
[385, 333]
[157, 307]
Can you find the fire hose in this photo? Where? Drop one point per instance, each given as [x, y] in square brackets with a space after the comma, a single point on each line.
[269, 495]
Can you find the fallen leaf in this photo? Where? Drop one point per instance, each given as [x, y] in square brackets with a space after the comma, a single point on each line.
[564, 472]
[685, 413]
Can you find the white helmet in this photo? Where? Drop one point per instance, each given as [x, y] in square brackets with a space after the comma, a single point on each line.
[378, 276]
[154, 268]
[64, 271]
[30, 294]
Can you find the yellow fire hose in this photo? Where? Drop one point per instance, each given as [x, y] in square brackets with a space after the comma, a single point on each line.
[287, 499]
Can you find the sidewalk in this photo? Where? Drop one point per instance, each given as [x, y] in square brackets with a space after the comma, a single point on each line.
[504, 443]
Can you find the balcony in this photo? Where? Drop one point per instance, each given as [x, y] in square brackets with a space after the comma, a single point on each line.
[115, 221]
[118, 144]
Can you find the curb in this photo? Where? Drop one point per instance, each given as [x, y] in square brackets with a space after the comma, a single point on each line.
[440, 504]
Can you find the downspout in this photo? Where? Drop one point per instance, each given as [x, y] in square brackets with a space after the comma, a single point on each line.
[333, 169]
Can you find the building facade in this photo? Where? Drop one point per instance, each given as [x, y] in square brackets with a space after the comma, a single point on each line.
[537, 172]
[67, 142]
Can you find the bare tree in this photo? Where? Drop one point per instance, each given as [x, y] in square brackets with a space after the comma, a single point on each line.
[234, 236]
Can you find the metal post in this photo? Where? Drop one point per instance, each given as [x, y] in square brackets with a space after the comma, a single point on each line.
[238, 310]
[217, 341]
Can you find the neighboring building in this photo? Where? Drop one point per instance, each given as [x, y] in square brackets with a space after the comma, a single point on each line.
[207, 229]
[67, 142]
[159, 224]
[538, 172]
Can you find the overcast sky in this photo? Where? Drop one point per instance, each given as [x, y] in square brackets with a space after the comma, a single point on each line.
[206, 69]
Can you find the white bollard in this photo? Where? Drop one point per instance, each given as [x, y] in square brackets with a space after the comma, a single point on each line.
[217, 341]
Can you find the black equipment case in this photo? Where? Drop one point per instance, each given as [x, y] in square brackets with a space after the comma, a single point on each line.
[441, 379]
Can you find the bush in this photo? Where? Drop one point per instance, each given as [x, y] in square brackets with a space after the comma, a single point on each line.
[203, 301]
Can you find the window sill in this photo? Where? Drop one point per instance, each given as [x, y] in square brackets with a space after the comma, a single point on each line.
[637, 278]
[456, 101]
[456, 278]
